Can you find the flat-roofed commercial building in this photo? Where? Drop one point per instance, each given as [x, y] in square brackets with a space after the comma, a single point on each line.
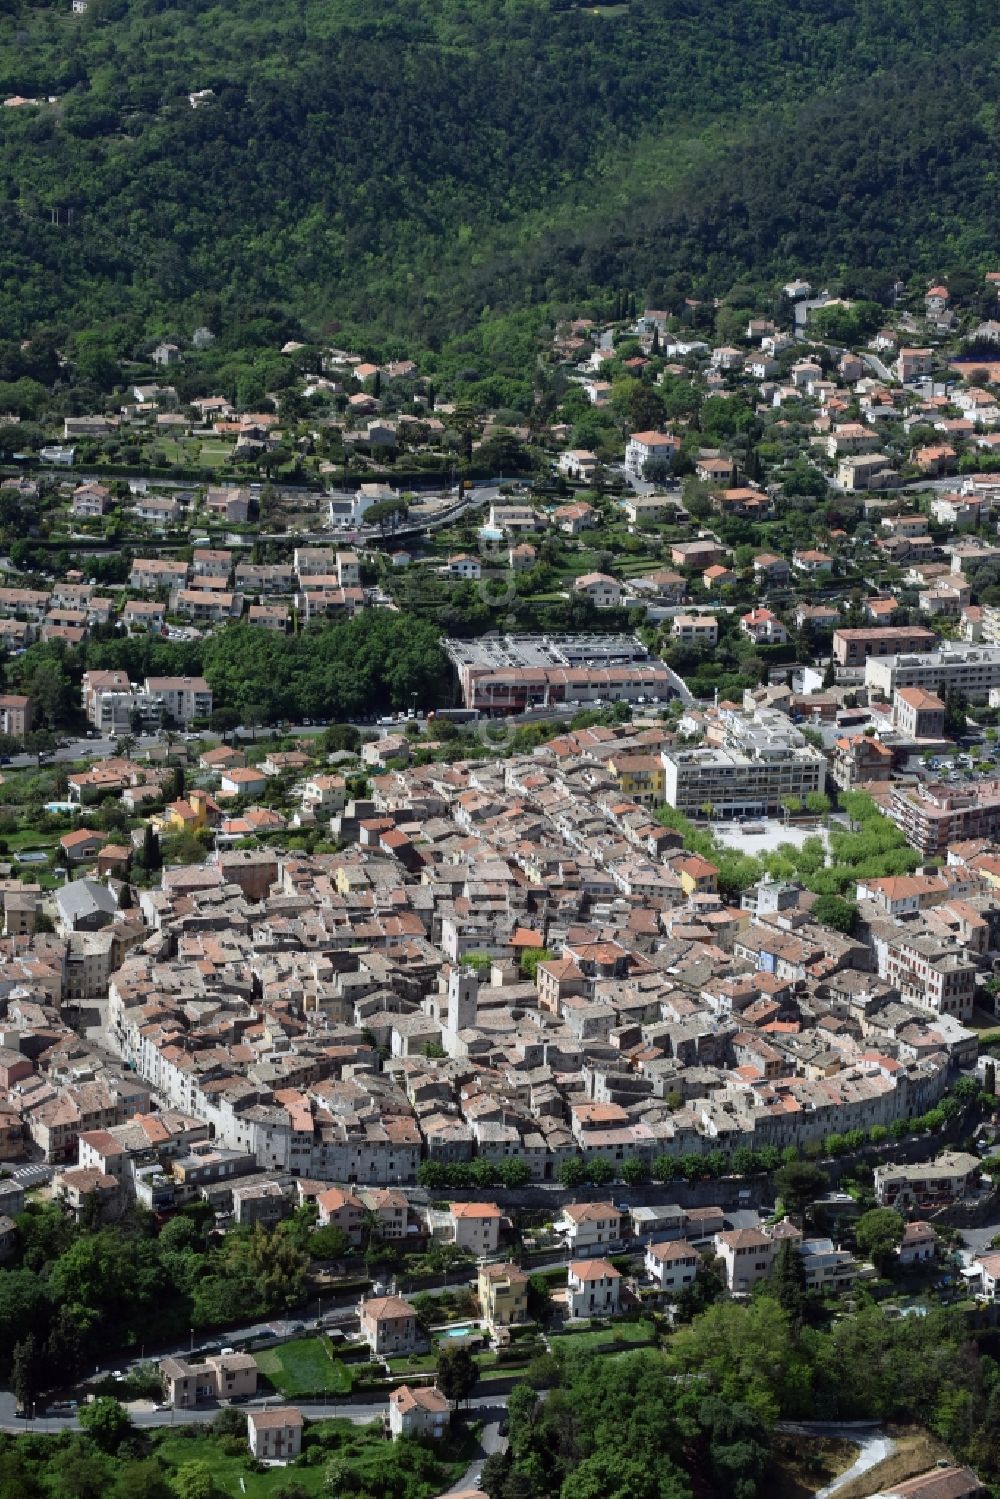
[509, 674]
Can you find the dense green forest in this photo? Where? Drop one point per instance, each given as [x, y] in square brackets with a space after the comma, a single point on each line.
[73, 1293]
[411, 167]
[700, 1419]
[376, 661]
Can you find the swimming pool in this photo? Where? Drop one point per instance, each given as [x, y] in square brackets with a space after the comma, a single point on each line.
[461, 1330]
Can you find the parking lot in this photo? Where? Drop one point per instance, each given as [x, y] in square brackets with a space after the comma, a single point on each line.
[28, 1176]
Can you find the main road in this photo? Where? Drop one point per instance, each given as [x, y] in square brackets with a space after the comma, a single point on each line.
[145, 1414]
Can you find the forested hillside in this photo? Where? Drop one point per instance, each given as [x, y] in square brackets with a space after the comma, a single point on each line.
[409, 165]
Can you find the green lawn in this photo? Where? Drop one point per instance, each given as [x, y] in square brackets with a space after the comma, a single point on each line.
[170, 450]
[305, 1367]
[26, 838]
[608, 1339]
[371, 1462]
[227, 1471]
[414, 1363]
[214, 454]
[502, 1371]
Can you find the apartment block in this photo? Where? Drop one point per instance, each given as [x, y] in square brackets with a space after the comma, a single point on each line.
[15, 715]
[114, 706]
[762, 761]
[918, 713]
[856, 647]
[644, 446]
[695, 629]
[929, 972]
[866, 471]
[972, 670]
[933, 816]
[182, 698]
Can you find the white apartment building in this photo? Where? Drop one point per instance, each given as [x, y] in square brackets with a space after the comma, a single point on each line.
[762, 761]
[826, 1268]
[183, 698]
[589, 1225]
[115, 706]
[348, 570]
[642, 446]
[973, 670]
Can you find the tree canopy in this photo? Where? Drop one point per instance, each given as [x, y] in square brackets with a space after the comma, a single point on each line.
[854, 138]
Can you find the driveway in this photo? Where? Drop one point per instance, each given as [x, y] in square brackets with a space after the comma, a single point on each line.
[874, 1447]
[976, 1240]
[490, 1441]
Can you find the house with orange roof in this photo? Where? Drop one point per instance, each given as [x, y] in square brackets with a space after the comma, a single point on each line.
[191, 813]
[672, 1264]
[642, 447]
[475, 1226]
[904, 894]
[918, 713]
[253, 822]
[575, 518]
[936, 460]
[919, 1243]
[275, 1433]
[602, 590]
[763, 627]
[341, 1209]
[389, 1325]
[80, 846]
[242, 780]
[222, 757]
[697, 875]
[768, 568]
[589, 1225]
[556, 978]
[422, 1412]
[812, 562]
[746, 1255]
[114, 858]
[593, 1289]
[859, 760]
[881, 609]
